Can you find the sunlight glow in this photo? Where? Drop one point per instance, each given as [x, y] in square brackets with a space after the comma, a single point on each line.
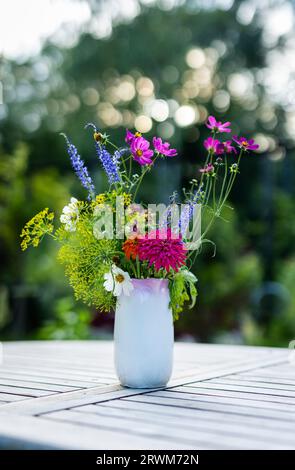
[25, 24]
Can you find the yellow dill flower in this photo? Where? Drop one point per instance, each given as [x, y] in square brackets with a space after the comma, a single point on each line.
[111, 198]
[36, 228]
[127, 199]
[100, 198]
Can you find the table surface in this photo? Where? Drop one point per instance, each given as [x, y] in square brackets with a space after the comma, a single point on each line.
[65, 395]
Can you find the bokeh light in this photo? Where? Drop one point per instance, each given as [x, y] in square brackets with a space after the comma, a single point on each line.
[185, 116]
[143, 123]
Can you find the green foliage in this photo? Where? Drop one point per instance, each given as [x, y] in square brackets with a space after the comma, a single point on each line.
[69, 322]
[32, 276]
[279, 329]
[23, 193]
[182, 289]
[12, 196]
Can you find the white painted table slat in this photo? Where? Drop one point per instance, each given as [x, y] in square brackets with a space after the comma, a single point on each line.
[65, 395]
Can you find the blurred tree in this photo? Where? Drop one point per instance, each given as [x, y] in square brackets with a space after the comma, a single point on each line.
[28, 281]
[69, 322]
[225, 285]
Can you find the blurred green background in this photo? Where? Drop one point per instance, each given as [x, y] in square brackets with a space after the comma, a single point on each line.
[161, 67]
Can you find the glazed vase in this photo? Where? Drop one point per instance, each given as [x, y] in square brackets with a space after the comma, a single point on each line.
[144, 335]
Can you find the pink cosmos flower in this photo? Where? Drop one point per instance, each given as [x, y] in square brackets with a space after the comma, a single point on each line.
[226, 147]
[163, 147]
[141, 151]
[245, 144]
[212, 145]
[207, 169]
[217, 126]
[129, 138]
[163, 249]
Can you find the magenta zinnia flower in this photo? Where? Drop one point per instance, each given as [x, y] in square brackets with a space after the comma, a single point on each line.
[226, 147]
[141, 151]
[217, 126]
[212, 145]
[207, 169]
[245, 144]
[163, 147]
[163, 249]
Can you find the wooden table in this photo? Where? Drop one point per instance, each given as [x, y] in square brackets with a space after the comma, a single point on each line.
[65, 395]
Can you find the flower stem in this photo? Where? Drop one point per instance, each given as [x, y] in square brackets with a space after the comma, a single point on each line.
[147, 168]
[227, 193]
[138, 267]
[231, 181]
[224, 181]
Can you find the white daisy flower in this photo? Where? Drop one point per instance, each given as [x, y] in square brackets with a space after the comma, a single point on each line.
[70, 215]
[118, 282]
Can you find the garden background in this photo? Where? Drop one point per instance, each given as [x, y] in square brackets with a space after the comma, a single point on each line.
[161, 67]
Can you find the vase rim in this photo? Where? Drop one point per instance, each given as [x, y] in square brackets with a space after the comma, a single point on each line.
[150, 279]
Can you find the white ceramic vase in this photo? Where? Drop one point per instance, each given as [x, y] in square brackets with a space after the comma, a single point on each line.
[144, 335]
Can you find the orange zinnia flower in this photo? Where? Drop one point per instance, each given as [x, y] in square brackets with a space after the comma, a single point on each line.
[130, 248]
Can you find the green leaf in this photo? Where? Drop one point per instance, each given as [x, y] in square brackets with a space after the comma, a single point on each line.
[182, 289]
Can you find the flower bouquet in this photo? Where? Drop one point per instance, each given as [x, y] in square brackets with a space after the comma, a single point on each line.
[137, 258]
